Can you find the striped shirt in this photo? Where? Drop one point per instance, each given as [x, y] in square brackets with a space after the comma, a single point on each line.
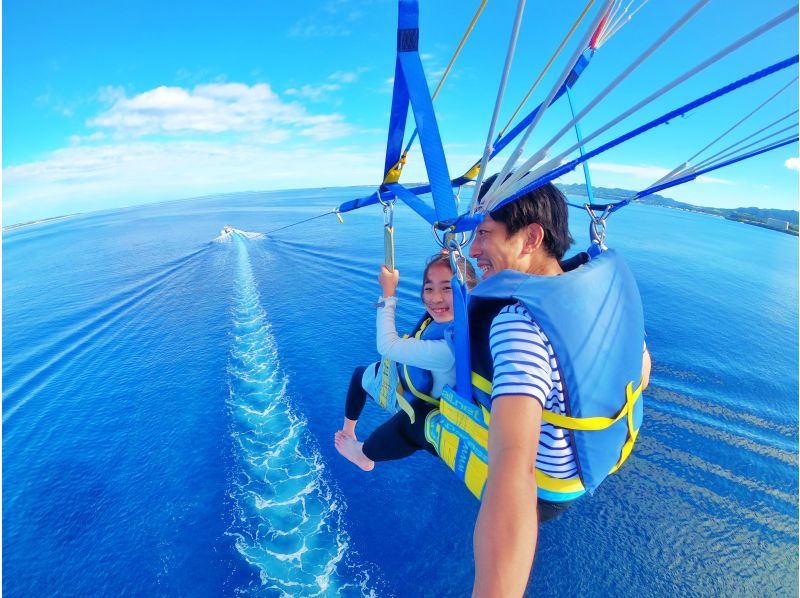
[525, 364]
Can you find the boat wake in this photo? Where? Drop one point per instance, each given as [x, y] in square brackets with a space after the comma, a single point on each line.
[228, 233]
[288, 521]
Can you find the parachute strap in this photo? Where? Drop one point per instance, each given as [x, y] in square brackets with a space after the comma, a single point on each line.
[411, 88]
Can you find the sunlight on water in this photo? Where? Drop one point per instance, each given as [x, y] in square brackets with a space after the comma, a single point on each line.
[288, 522]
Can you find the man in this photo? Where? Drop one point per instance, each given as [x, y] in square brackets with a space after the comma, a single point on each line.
[529, 235]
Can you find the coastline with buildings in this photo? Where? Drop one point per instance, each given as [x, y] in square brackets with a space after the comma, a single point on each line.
[784, 221]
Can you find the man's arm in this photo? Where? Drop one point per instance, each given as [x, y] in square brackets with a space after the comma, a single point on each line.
[505, 534]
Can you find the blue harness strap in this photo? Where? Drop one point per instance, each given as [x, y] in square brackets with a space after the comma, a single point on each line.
[412, 201]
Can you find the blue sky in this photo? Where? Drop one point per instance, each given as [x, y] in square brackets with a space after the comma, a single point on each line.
[108, 104]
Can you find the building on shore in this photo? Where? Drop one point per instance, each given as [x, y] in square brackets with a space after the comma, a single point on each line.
[777, 224]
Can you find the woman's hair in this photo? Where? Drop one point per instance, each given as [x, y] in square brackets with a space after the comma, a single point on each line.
[443, 259]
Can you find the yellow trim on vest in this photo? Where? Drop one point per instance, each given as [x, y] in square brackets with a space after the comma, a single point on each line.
[474, 430]
[414, 391]
[476, 474]
[585, 424]
[448, 447]
[546, 482]
[481, 383]
[631, 396]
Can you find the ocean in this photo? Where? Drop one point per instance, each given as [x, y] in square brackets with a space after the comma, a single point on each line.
[170, 398]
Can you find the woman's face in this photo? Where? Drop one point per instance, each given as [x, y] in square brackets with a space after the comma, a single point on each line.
[437, 295]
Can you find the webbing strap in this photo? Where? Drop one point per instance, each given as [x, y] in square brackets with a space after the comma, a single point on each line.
[429, 138]
[461, 338]
[397, 121]
[413, 202]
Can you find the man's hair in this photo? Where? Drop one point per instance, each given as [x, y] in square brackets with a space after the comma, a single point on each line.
[545, 206]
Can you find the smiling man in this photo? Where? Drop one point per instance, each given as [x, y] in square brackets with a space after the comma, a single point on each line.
[519, 248]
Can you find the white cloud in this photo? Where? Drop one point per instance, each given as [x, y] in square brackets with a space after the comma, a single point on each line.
[792, 163]
[215, 108]
[347, 76]
[315, 93]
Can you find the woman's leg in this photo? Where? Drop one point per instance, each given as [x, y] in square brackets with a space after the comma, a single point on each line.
[395, 439]
[354, 403]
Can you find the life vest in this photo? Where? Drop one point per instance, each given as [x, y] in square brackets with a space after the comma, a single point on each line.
[592, 315]
[397, 382]
[415, 380]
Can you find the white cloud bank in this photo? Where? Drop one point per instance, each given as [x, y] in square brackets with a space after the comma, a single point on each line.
[213, 109]
[86, 178]
[172, 142]
[792, 164]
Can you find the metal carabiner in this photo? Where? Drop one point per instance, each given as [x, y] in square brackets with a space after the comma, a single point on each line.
[458, 263]
[444, 241]
[597, 228]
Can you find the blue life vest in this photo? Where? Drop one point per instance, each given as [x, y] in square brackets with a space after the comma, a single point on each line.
[415, 380]
[592, 315]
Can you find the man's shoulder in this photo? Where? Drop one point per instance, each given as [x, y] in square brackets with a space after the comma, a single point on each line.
[513, 312]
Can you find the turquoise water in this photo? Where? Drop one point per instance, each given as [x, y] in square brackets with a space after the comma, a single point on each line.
[170, 399]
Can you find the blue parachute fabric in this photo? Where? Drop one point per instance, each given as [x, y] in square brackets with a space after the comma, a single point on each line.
[561, 170]
[412, 201]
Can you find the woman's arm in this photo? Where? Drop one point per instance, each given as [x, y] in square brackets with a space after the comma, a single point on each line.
[429, 355]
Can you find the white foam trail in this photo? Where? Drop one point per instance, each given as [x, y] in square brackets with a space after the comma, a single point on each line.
[287, 522]
[227, 237]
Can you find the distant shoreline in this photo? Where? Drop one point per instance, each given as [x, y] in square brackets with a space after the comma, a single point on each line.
[752, 215]
[40, 221]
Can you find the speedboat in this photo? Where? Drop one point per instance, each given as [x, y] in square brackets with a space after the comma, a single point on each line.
[226, 230]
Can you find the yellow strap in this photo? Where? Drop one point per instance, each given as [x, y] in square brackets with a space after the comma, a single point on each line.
[404, 405]
[547, 66]
[414, 391]
[631, 397]
[572, 423]
[546, 482]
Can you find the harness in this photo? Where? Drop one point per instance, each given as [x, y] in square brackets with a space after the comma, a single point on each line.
[592, 315]
[395, 380]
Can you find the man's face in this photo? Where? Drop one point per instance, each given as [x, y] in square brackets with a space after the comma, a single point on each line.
[494, 250]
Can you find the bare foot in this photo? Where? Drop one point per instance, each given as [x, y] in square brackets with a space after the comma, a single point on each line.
[351, 450]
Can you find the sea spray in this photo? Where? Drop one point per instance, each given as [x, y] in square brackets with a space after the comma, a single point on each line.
[288, 521]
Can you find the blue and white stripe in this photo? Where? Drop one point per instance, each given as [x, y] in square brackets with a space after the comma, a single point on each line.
[525, 364]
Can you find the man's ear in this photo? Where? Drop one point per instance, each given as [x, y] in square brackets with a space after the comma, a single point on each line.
[535, 237]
